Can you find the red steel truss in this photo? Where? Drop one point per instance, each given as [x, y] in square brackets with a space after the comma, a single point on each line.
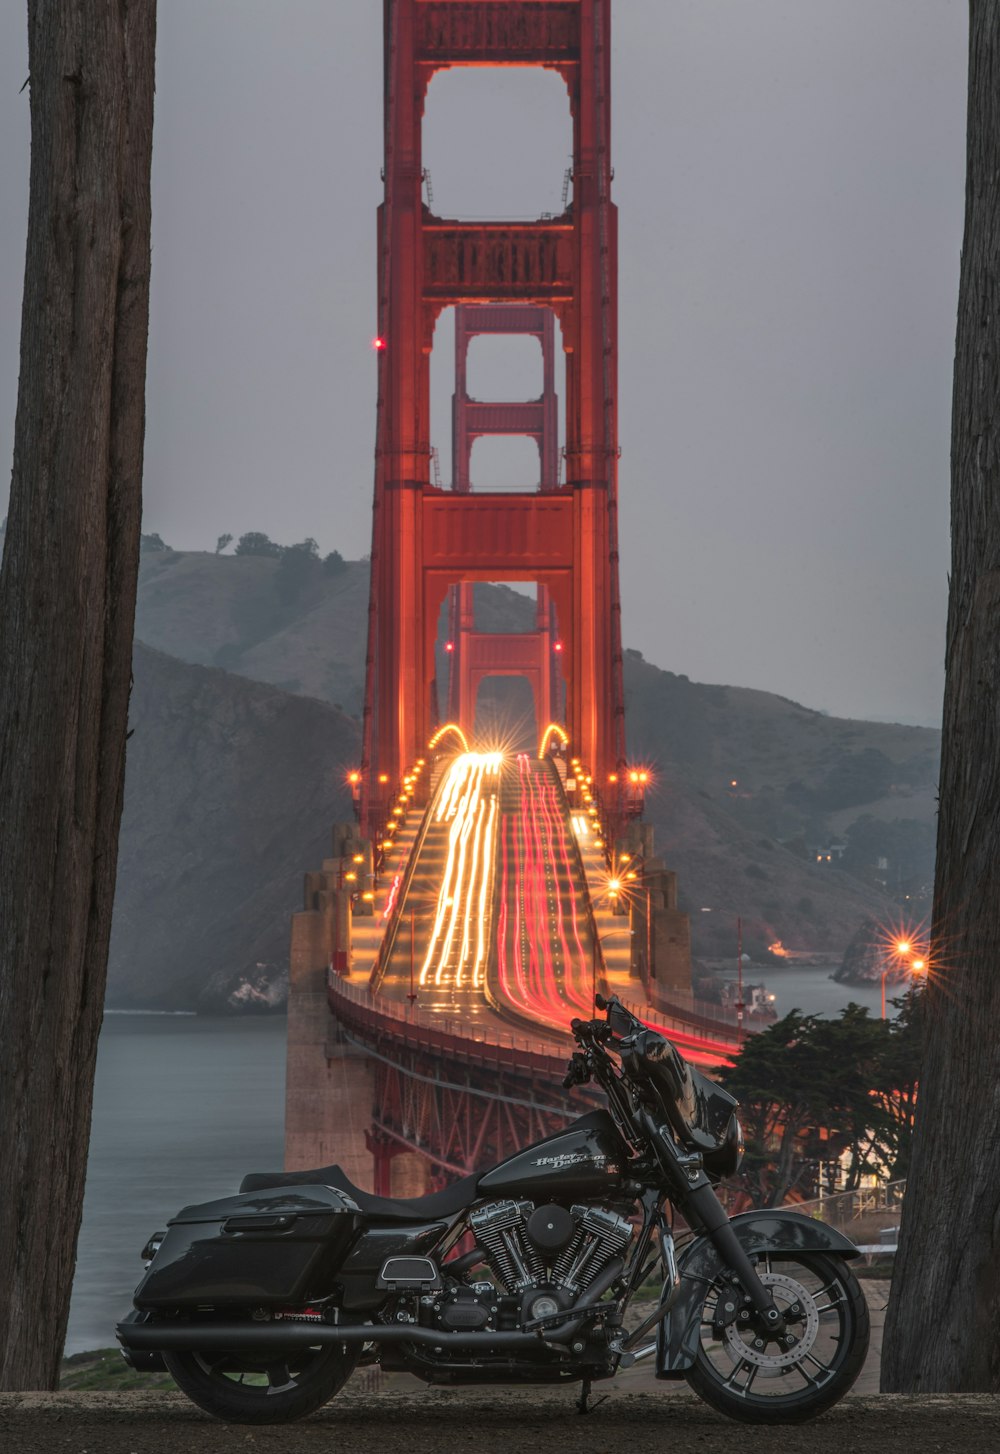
[426, 540]
[461, 1104]
[476, 655]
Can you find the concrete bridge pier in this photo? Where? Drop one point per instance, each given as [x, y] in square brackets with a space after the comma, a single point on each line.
[330, 1085]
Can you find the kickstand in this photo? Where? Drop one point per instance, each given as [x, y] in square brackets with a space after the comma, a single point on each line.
[584, 1406]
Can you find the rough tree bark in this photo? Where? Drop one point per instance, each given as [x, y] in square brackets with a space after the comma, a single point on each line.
[943, 1324]
[67, 600]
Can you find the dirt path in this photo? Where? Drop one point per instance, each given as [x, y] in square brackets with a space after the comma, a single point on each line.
[439, 1422]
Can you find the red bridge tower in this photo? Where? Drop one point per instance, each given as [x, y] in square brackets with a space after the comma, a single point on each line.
[427, 540]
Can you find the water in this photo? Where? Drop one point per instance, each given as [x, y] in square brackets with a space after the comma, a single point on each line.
[812, 991]
[183, 1108]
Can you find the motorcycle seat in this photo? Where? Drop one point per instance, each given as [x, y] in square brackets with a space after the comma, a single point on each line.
[446, 1203]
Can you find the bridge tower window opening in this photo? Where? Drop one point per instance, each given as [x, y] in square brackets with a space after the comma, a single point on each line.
[507, 636]
[505, 368]
[506, 713]
[504, 463]
[497, 142]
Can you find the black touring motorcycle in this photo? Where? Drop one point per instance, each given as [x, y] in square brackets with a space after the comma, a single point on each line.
[261, 1305]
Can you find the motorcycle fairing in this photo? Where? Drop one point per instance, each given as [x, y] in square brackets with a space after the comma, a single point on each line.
[679, 1333]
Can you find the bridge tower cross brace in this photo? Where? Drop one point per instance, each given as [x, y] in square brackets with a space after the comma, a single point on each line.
[426, 540]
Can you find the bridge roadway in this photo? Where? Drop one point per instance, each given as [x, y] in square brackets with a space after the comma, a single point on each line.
[493, 924]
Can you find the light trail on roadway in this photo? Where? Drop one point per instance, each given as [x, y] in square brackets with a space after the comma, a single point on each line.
[458, 943]
[545, 965]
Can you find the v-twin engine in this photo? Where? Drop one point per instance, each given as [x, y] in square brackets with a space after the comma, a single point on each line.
[528, 1246]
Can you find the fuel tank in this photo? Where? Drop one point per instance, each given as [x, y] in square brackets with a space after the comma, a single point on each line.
[585, 1160]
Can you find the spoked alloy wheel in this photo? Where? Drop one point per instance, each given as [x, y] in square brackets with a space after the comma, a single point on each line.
[749, 1375]
[247, 1389]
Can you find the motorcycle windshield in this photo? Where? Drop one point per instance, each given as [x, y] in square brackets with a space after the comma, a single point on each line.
[698, 1109]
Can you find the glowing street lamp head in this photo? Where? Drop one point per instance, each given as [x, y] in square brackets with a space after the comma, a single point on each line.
[903, 946]
[614, 885]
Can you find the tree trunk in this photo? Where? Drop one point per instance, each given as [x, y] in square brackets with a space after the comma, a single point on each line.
[943, 1324]
[67, 602]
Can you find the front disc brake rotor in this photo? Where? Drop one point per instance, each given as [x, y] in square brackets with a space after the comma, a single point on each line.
[773, 1358]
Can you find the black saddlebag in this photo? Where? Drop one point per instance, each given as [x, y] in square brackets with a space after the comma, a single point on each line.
[271, 1248]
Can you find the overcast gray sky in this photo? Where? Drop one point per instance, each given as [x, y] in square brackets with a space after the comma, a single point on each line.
[790, 178]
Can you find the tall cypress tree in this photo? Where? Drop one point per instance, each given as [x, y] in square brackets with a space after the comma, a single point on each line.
[943, 1323]
[67, 603]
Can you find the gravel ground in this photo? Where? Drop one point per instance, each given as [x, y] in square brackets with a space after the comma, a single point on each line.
[512, 1421]
[638, 1415]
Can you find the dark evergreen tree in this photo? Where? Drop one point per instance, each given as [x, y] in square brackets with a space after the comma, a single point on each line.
[67, 602]
[943, 1324]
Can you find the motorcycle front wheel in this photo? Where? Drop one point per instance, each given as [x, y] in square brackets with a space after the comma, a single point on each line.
[758, 1379]
[249, 1390]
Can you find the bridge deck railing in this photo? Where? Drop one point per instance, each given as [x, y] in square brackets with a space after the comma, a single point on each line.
[437, 1028]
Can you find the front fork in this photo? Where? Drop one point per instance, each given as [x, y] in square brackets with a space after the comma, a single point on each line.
[702, 1202]
[695, 1197]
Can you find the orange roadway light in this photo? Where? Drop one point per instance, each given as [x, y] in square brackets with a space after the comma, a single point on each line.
[552, 730]
[449, 727]
[903, 946]
[358, 858]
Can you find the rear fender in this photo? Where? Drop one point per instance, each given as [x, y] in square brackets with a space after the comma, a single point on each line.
[679, 1333]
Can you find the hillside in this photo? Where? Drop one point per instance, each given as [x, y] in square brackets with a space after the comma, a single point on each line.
[749, 786]
[231, 789]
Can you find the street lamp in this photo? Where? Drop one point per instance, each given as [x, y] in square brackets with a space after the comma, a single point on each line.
[901, 950]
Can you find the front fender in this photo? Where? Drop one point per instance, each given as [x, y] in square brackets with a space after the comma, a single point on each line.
[779, 1231]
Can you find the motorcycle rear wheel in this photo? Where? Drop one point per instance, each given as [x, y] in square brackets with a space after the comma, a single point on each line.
[763, 1381]
[242, 1389]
